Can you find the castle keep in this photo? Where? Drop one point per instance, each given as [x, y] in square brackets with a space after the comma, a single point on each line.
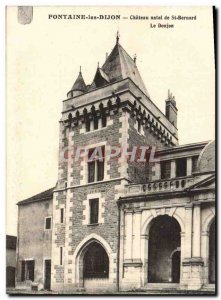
[115, 221]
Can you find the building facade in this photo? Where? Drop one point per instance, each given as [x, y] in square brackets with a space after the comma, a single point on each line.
[10, 260]
[131, 208]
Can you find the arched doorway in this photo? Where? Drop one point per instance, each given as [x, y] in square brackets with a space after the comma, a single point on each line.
[212, 263]
[164, 238]
[95, 262]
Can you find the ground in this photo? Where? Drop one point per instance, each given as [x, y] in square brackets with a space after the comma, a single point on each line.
[137, 292]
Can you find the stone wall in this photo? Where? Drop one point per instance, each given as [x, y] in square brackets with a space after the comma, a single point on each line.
[34, 240]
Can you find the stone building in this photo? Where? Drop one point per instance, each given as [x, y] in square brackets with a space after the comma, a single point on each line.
[115, 221]
[10, 260]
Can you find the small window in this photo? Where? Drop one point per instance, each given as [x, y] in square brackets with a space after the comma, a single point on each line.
[94, 209]
[28, 268]
[61, 256]
[104, 121]
[48, 223]
[62, 215]
[88, 125]
[181, 167]
[95, 123]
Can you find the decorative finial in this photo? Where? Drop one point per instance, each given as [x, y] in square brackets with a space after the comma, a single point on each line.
[117, 37]
[171, 97]
[80, 69]
[98, 65]
[135, 57]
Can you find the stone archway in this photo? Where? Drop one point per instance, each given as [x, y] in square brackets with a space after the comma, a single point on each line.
[164, 238]
[95, 262]
[103, 277]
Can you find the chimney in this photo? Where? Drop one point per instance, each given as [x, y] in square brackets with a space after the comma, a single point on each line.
[171, 109]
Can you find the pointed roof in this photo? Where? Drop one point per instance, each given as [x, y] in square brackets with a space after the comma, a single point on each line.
[79, 84]
[102, 74]
[119, 65]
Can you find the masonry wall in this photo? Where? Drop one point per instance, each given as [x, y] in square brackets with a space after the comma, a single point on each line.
[75, 199]
[34, 242]
[140, 172]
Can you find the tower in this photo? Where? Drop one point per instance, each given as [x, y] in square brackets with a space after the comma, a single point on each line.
[114, 112]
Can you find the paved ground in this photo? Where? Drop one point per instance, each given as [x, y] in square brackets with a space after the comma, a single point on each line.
[137, 292]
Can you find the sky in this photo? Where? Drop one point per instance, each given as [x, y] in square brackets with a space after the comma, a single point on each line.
[43, 61]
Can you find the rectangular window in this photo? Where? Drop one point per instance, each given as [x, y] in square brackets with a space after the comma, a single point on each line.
[94, 209]
[100, 170]
[28, 270]
[91, 171]
[62, 215]
[96, 164]
[104, 121]
[181, 167]
[165, 169]
[48, 223]
[88, 125]
[95, 123]
[61, 256]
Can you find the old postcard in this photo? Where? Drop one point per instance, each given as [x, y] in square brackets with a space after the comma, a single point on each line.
[111, 150]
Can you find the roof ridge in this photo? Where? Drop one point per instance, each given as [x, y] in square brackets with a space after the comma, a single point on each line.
[42, 195]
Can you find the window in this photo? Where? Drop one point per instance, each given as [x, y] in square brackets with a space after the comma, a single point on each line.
[62, 215]
[61, 256]
[48, 223]
[94, 209]
[181, 167]
[96, 164]
[95, 123]
[88, 125]
[104, 121]
[165, 169]
[100, 170]
[27, 272]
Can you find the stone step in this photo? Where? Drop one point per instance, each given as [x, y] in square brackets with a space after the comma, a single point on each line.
[209, 287]
[161, 286]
